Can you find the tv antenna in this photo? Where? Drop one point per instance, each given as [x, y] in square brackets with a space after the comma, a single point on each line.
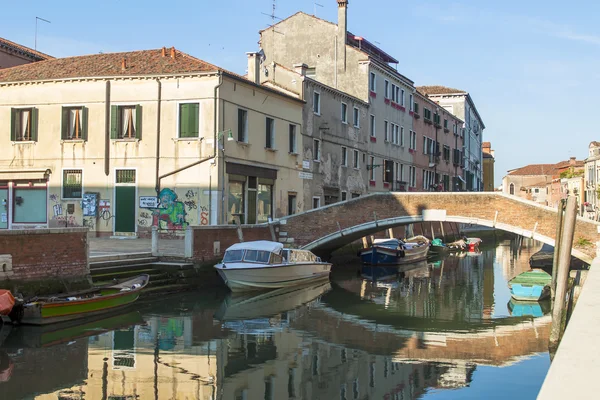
[317, 5]
[36, 20]
[273, 17]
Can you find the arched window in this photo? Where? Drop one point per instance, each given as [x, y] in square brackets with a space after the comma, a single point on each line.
[511, 188]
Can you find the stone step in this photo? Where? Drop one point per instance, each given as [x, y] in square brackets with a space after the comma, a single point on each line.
[122, 262]
[125, 273]
[108, 279]
[120, 256]
[173, 265]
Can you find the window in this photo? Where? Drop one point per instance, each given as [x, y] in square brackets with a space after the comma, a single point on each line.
[411, 102]
[412, 176]
[388, 171]
[292, 203]
[386, 131]
[74, 123]
[402, 136]
[356, 118]
[126, 122]
[400, 172]
[242, 125]
[426, 113]
[72, 185]
[455, 129]
[29, 203]
[396, 134]
[317, 150]
[317, 103]
[413, 140]
[416, 107]
[264, 200]
[456, 157]
[424, 145]
[372, 125]
[372, 82]
[189, 116]
[372, 169]
[512, 188]
[397, 94]
[23, 125]
[355, 160]
[292, 139]
[436, 118]
[270, 133]
[402, 97]
[446, 153]
[125, 176]
[394, 93]
[344, 196]
[316, 202]
[344, 113]
[387, 89]
[344, 157]
[445, 123]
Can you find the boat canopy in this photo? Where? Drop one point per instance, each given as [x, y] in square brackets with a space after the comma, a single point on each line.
[386, 241]
[265, 245]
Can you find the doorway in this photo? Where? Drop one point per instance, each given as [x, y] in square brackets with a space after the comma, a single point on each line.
[125, 194]
[4, 203]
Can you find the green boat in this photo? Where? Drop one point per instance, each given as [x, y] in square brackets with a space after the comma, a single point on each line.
[532, 285]
[88, 303]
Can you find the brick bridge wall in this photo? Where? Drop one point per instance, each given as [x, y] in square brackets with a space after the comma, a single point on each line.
[43, 254]
[302, 229]
[210, 242]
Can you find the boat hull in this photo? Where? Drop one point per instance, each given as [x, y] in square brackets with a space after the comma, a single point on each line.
[272, 277]
[377, 255]
[529, 292]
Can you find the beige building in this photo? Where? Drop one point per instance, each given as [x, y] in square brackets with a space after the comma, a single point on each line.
[13, 54]
[352, 64]
[592, 181]
[124, 141]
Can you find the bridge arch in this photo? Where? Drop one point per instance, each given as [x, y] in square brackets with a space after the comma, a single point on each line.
[330, 227]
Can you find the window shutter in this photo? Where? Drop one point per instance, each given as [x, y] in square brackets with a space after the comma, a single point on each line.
[184, 120]
[84, 123]
[240, 125]
[34, 124]
[114, 122]
[195, 120]
[13, 127]
[64, 121]
[138, 121]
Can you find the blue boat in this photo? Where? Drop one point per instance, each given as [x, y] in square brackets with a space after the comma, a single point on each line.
[532, 285]
[395, 251]
[528, 308]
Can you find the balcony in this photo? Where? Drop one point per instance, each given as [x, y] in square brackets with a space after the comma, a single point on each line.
[416, 115]
[427, 121]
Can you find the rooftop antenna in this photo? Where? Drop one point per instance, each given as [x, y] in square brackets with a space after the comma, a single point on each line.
[317, 5]
[273, 16]
[36, 20]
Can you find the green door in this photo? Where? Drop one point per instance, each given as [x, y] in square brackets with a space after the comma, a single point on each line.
[3, 208]
[125, 209]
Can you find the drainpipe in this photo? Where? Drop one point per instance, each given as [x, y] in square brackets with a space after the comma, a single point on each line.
[158, 111]
[107, 130]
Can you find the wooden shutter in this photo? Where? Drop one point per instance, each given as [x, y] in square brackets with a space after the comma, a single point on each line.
[114, 122]
[195, 119]
[240, 125]
[64, 122]
[34, 124]
[184, 120]
[84, 123]
[13, 127]
[138, 121]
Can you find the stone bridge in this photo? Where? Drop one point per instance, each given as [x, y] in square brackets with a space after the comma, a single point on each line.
[328, 228]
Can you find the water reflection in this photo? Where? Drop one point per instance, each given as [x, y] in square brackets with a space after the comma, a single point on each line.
[399, 334]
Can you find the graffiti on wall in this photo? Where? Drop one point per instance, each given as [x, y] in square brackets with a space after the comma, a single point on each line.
[64, 214]
[170, 213]
[174, 209]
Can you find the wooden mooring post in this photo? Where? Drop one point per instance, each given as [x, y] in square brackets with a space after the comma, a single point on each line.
[562, 275]
[559, 230]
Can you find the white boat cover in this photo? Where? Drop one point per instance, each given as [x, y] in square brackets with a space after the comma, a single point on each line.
[265, 245]
[392, 240]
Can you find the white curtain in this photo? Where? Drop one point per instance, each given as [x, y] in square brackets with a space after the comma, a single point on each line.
[129, 122]
[25, 129]
[75, 124]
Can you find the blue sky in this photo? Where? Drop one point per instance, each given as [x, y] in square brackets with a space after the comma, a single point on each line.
[530, 66]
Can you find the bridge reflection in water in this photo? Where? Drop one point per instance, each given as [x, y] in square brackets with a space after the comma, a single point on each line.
[423, 330]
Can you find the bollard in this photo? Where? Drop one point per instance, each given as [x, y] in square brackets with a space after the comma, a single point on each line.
[562, 275]
[155, 241]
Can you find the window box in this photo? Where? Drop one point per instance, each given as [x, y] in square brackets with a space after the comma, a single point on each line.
[428, 121]
[437, 125]
[386, 184]
[373, 139]
[416, 116]
[412, 113]
[373, 94]
[412, 151]
[401, 108]
[446, 130]
[387, 101]
[372, 183]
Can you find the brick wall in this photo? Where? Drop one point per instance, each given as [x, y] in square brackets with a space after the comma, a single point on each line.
[210, 242]
[46, 253]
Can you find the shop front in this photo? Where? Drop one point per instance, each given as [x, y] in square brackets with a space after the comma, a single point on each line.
[250, 196]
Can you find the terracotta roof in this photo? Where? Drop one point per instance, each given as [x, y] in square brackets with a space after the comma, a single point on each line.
[545, 169]
[486, 144]
[293, 15]
[144, 62]
[594, 144]
[31, 53]
[438, 89]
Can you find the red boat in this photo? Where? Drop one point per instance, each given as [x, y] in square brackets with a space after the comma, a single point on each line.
[7, 302]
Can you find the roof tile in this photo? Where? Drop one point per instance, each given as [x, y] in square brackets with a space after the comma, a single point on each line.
[36, 55]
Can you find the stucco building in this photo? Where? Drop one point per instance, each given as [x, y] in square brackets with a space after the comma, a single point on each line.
[351, 64]
[461, 104]
[592, 180]
[488, 167]
[13, 54]
[124, 141]
[436, 146]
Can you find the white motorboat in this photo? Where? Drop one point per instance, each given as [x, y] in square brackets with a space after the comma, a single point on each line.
[267, 265]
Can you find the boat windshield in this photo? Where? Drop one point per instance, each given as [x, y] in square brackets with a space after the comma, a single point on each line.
[257, 256]
[233, 255]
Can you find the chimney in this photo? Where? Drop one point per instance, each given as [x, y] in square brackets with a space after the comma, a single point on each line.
[163, 52]
[300, 68]
[173, 52]
[341, 34]
[253, 67]
[123, 65]
[572, 161]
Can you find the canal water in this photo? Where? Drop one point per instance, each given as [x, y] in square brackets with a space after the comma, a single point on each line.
[442, 329]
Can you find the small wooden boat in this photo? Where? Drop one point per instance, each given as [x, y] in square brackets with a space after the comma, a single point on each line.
[528, 308]
[532, 285]
[70, 306]
[395, 251]
[7, 302]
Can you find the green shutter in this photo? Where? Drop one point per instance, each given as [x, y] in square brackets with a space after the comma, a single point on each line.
[138, 121]
[64, 121]
[184, 112]
[195, 120]
[34, 124]
[114, 122]
[84, 123]
[13, 127]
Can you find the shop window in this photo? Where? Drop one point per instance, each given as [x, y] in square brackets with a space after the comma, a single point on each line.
[30, 204]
